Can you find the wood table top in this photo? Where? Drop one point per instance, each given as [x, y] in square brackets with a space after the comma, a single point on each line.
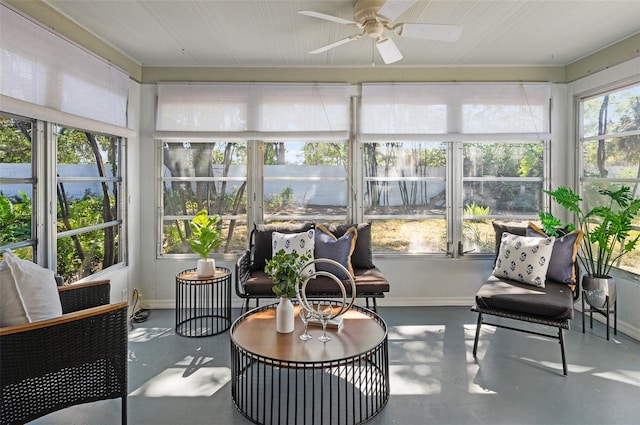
[191, 275]
[257, 334]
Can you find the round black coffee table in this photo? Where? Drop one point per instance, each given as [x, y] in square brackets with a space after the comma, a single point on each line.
[280, 379]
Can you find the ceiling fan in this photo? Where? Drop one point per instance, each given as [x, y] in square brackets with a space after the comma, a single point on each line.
[376, 16]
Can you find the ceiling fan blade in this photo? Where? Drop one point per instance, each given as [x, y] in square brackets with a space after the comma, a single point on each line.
[335, 44]
[388, 50]
[391, 9]
[326, 17]
[429, 31]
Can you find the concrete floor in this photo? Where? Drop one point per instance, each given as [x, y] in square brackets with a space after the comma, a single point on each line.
[516, 378]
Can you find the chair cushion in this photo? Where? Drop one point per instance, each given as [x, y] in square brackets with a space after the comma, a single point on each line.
[340, 249]
[28, 292]
[555, 301]
[368, 281]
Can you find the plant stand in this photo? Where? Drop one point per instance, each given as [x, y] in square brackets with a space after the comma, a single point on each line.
[606, 311]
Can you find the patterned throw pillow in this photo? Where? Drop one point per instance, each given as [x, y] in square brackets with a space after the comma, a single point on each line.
[302, 243]
[525, 259]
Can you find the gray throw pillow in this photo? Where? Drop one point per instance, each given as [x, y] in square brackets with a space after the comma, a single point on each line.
[564, 255]
[362, 257]
[327, 245]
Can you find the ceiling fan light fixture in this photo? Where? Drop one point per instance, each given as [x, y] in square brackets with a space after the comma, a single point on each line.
[388, 50]
[376, 16]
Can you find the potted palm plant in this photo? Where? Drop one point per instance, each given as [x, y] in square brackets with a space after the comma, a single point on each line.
[205, 237]
[285, 270]
[607, 229]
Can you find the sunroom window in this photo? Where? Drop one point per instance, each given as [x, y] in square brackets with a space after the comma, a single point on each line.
[18, 186]
[203, 175]
[305, 181]
[609, 151]
[89, 203]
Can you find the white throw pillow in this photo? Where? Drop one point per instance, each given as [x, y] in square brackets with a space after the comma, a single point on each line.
[32, 292]
[301, 243]
[525, 259]
[11, 310]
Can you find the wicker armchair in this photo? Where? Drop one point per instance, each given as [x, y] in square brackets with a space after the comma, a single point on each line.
[77, 358]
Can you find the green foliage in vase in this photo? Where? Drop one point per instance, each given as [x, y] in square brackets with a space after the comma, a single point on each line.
[285, 270]
[606, 227]
[205, 234]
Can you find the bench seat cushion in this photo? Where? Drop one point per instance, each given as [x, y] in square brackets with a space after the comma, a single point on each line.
[555, 301]
[368, 281]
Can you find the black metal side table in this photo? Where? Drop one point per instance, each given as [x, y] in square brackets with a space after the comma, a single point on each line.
[203, 305]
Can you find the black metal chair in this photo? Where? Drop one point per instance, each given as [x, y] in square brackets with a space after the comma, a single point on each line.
[551, 306]
[76, 358]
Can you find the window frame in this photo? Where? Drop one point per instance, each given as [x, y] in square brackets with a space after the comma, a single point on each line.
[580, 139]
[36, 193]
[119, 222]
[162, 180]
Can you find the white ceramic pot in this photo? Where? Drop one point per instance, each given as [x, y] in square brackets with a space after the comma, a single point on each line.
[284, 316]
[206, 267]
[597, 289]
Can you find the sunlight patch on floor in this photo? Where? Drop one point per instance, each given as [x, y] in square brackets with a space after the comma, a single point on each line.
[190, 377]
[147, 334]
[630, 377]
[411, 332]
[473, 388]
[414, 380]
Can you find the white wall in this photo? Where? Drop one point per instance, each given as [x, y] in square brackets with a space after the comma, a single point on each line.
[415, 280]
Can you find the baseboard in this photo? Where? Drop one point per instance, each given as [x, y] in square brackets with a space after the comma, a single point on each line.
[623, 327]
[426, 302]
[384, 302]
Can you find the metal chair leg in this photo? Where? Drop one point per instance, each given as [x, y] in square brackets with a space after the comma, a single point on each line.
[564, 359]
[124, 410]
[475, 342]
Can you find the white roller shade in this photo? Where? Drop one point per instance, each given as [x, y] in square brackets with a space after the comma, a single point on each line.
[459, 111]
[45, 70]
[253, 109]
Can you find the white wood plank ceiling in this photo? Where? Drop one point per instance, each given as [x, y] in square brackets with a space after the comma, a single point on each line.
[263, 33]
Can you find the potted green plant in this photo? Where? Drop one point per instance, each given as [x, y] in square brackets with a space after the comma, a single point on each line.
[285, 270]
[205, 237]
[607, 236]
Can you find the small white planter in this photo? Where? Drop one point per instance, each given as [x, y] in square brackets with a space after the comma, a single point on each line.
[284, 316]
[206, 267]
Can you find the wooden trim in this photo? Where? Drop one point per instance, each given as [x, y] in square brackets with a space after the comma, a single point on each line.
[82, 285]
[65, 318]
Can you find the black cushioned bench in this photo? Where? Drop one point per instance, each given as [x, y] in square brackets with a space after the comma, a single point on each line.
[551, 305]
[253, 283]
